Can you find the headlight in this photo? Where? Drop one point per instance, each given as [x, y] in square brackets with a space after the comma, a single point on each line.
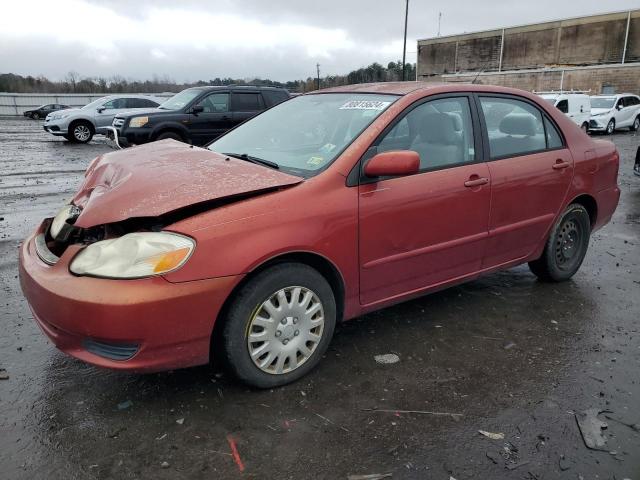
[135, 255]
[138, 122]
[59, 116]
[67, 212]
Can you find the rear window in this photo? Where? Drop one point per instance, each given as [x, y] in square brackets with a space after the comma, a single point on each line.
[274, 97]
[246, 102]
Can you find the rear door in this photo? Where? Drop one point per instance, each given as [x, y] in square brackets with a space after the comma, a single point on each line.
[531, 170]
[245, 105]
[213, 121]
[422, 230]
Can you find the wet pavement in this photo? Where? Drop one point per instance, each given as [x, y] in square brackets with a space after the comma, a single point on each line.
[507, 353]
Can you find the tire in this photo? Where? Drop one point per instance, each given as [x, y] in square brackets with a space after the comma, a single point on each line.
[566, 246]
[585, 127]
[636, 124]
[611, 127]
[35, 116]
[171, 135]
[247, 321]
[81, 131]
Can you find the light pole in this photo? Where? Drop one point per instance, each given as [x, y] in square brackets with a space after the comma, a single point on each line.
[404, 47]
[318, 73]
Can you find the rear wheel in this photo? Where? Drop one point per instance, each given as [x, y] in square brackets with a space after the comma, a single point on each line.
[566, 247]
[636, 124]
[279, 325]
[611, 126]
[81, 131]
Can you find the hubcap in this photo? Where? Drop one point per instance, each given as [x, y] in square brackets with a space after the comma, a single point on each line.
[568, 242]
[610, 127]
[636, 124]
[285, 330]
[81, 132]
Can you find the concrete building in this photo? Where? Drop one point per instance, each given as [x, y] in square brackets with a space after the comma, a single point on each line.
[600, 53]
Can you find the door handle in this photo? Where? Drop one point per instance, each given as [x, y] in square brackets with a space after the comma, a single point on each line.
[560, 164]
[476, 182]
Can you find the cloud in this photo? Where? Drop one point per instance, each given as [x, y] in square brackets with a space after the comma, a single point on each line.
[189, 40]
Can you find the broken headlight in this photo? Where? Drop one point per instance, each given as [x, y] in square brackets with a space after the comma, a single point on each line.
[134, 255]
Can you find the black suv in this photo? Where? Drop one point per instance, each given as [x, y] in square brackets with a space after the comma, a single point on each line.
[196, 115]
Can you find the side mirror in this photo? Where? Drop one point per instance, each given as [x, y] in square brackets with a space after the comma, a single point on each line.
[101, 109]
[619, 107]
[197, 109]
[393, 163]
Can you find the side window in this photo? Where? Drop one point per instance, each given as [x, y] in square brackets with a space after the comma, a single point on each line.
[215, 103]
[146, 103]
[440, 131]
[247, 102]
[514, 127]
[554, 140]
[635, 101]
[563, 106]
[116, 103]
[274, 97]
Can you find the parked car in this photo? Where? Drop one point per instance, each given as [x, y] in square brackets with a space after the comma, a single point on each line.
[318, 210]
[81, 124]
[196, 115]
[576, 106]
[44, 110]
[613, 112]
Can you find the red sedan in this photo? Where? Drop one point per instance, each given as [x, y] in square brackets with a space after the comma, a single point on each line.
[318, 210]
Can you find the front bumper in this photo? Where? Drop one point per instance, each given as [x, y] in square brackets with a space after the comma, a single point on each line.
[56, 127]
[598, 124]
[151, 323]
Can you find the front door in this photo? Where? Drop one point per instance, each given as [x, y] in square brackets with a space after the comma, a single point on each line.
[213, 120]
[531, 170]
[426, 229]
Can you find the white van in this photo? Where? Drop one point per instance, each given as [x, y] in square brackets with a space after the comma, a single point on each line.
[576, 106]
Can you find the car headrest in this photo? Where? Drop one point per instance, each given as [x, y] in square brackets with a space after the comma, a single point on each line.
[438, 128]
[519, 124]
[457, 121]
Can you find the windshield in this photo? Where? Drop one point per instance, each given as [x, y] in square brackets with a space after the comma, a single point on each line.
[602, 102]
[306, 134]
[179, 100]
[95, 103]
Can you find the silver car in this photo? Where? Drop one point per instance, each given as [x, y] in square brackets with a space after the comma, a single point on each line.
[80, 124]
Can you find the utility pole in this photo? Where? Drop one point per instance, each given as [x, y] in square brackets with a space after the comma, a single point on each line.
[439, 21]
[318, 72]
[404, 47]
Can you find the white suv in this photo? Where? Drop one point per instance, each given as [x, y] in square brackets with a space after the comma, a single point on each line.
[612, 112]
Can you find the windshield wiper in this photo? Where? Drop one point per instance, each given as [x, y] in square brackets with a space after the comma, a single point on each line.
[249, 158]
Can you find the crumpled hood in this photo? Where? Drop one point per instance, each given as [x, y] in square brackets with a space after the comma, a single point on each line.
[597, 111]
[164, 176]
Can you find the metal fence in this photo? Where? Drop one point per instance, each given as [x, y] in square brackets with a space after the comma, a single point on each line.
[17, 103]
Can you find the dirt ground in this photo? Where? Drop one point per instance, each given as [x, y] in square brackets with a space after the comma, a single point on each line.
[509, 354]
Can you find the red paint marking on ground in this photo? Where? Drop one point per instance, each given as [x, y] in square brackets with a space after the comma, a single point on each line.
[234, 453]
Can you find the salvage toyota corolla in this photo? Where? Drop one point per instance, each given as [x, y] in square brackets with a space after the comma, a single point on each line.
[320, 209]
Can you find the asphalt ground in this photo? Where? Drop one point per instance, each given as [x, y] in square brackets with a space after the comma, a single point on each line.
[507, 354]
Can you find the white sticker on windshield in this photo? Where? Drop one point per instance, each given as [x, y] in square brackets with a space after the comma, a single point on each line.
[365, 105]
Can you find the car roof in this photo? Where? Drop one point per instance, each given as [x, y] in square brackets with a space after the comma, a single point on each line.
[208, 88]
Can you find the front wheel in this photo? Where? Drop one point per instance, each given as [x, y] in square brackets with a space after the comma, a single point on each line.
[279, 325]
[82, 132]
[585, 127]
[566, 247]
[636, 124]
[611, 126]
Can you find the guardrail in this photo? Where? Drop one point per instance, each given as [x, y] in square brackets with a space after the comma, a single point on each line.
[15, 104]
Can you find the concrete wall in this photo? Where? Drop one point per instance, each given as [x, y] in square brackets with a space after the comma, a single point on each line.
[618, 78]
[17, 103]
[593, 40]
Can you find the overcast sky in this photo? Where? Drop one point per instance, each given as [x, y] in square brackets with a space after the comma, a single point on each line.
[188, 40]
